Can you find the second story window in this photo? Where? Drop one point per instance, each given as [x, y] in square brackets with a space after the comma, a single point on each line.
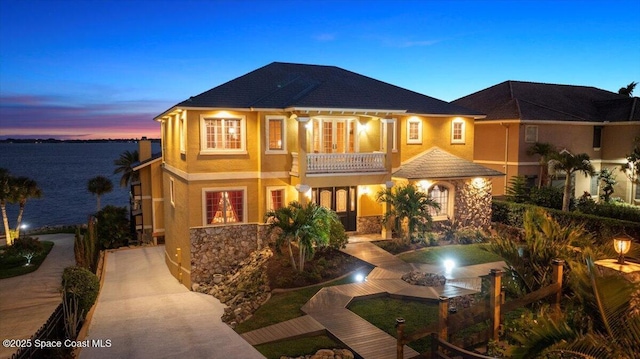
[223, 135]
[276, 134]
[457, 131]
[530, 134]
[414, 131]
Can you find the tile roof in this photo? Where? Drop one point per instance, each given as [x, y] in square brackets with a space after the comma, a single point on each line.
[285, 85]
[551, 102]
[436, 163]
[141, 164]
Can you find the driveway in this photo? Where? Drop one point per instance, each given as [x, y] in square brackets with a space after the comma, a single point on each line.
[27, 301]
[146, 313]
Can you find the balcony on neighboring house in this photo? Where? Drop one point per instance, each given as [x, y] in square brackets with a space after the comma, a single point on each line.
[328, 163]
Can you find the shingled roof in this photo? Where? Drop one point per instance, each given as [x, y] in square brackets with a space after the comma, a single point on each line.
[286, 85]
[551, 102]
[438, 164]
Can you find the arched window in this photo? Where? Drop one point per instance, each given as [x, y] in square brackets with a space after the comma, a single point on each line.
[440, 194]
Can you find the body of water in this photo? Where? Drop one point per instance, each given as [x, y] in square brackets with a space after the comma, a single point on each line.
[62, 171]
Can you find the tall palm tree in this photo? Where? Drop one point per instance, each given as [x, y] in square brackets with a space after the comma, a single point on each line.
[570, 164]
[309, 226]
[24, 189]
[124, 165]
[544, 150]
[628, 90]
[99, 185]
[408, 204]
[5, 192]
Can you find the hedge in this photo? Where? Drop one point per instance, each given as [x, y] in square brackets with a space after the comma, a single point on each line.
[603, 229]
[81, 284]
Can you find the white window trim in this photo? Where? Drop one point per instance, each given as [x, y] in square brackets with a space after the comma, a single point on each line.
[383, 127]
[211, 151]
[450, 199]
[269, 198]
[526, 128]
[182, 130]
[462, 140]
[284, 135]
[417, 141]
[223, 189]
[172, 192]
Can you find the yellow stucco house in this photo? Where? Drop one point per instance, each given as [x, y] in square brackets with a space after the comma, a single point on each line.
[579, 119]
[289, 132]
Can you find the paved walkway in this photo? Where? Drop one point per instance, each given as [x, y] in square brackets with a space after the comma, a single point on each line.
[146, 313]
[328, 307]
[27, 301]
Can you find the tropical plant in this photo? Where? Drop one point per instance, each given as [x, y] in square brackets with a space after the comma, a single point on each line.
[99, 185]
[628, 90]
[517, 190]
[408, 204]
[308, 226]
[5, 191]
[544, 150]
[607, 180]
[632, 167]
[24, 188]
[124, 165]
[113, 229]
[604, 324]
[569, 164]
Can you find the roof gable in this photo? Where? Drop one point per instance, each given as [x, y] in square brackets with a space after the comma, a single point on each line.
[438, 164]
[285, 85]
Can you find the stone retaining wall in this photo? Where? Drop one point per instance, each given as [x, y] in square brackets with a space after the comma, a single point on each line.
[369, 225]
[473, 203]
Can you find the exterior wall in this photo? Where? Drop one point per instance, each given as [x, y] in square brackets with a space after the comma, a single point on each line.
[473, 203]
[157, 198]
[177, 228]
[436, 131]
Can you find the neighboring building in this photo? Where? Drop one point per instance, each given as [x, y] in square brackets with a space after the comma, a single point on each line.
[147, 201]
[579, 119]
[289, 132]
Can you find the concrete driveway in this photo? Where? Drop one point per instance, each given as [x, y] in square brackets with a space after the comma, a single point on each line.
[27, 301]
[146, 313]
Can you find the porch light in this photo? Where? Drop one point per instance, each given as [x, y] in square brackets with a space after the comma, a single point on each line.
[424, 185]
[364, 190]
[478, 182]
[622, 244]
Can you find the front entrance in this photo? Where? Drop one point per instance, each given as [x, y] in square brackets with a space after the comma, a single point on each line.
[343, 200]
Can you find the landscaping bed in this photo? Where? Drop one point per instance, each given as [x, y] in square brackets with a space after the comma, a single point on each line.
[13, 264]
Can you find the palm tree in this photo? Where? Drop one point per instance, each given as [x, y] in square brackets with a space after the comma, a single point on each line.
[544, 150]
[628, 90]
[99, 185]
[309, 226]
[408, 204]
[124, 165]
[570, 164]
[24, 189]
[5, 191]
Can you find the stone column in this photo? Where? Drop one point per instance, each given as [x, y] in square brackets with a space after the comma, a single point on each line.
[387, 231]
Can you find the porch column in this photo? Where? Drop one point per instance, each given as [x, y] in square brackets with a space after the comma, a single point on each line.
[388, 125]
[302, 148]
[386, 227]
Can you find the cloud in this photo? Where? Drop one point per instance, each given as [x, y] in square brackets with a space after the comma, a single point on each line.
[51, 116]
[325, 37]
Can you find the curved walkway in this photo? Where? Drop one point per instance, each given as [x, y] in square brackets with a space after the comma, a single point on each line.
[146, 313]
[27, 301]
[328, 307]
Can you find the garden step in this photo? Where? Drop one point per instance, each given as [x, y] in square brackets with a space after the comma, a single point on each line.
[290, 329]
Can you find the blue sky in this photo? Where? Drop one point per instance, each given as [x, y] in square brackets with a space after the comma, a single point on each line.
[94, 69]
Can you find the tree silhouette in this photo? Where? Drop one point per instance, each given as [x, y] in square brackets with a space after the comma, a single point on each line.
[99, 185]
[628, 90]
[124, 165]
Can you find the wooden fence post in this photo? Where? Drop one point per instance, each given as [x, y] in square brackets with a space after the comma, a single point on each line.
[399, 338]
[495, 301]
[557, 278]
[443, 318]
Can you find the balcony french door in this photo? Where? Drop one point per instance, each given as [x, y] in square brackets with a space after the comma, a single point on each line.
[334, 135]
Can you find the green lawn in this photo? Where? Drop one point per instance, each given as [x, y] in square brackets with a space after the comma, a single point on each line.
[12, 266]
[297, 347]
[462, 255]
[382, 312]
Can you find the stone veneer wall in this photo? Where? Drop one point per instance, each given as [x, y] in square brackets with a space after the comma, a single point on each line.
[473, 205]
[218, 250]
[369, 225]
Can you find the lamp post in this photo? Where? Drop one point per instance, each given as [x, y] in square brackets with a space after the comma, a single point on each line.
[622, 244]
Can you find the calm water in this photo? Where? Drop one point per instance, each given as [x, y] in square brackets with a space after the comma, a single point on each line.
[62, 171]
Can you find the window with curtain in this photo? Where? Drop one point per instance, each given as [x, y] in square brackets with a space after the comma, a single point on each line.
[440, 195]
[222, 135]
[275, 199]
[224, 206]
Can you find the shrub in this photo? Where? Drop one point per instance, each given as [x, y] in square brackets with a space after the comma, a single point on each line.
[620, 211]
[81, 285]
[113, 227]
[25, 245]
[549, 197]
[517, 190]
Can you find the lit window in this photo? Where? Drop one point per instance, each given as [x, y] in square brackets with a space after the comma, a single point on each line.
[223, 135]
[383, 133]
[457, 131]
[440, 195]
[414, 131]
[275, 198]
[183, 132]
[531, 134]
[224, 206]
[275, 132]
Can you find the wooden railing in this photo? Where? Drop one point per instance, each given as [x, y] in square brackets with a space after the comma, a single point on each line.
[341, 162]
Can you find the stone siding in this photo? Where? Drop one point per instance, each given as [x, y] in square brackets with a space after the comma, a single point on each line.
[473, 203]
[219, 250]
[369, 225]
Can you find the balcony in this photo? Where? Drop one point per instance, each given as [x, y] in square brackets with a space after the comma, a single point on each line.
[318, 163]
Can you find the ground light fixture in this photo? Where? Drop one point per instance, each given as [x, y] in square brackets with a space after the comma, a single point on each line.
[448, 265]
[359, 277]
[622, 244]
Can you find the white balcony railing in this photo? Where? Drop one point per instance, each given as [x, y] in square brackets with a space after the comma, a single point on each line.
[341, 162]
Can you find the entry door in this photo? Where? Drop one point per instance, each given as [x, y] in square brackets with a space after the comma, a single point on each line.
[342, 200]
[338, 136]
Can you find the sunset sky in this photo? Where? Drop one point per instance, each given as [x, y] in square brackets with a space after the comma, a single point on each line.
[104, 69]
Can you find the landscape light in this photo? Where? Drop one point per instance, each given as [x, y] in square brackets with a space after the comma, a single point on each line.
[448, 265]
[622, 244]
[359, 278]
